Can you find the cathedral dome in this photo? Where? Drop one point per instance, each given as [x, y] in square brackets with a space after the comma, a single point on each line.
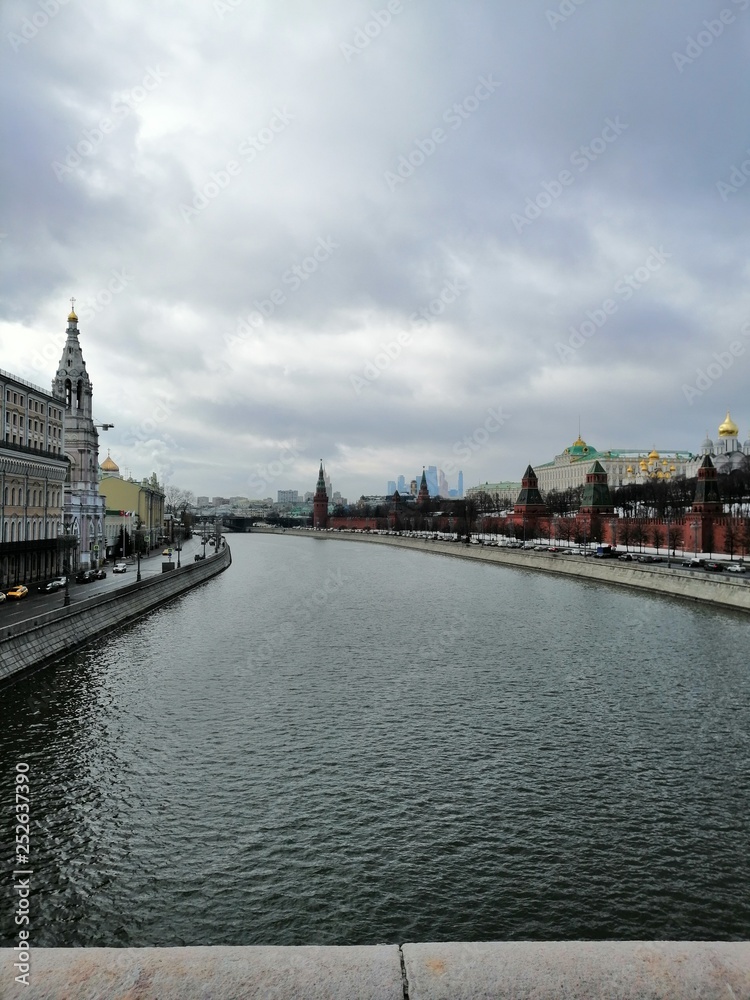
[654, 456]
[579, 448]
[109, 466]
[72, 318]
[729, 428]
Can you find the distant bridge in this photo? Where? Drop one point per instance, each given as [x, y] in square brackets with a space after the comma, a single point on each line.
[233, 522]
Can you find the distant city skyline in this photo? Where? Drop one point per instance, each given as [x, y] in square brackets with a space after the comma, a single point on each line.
[275, 256]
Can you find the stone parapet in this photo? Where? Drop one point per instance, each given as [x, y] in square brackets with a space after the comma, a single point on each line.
[515, 970]
[48, 636]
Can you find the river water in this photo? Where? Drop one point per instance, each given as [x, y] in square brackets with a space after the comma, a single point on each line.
[341, 743]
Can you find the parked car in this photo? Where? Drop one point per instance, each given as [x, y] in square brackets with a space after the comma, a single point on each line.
[736, 568]
[120, 566]
[17, 592]
[86, 576]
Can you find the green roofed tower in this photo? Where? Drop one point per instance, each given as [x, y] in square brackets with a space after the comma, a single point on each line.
[529, 500]
[596, 496]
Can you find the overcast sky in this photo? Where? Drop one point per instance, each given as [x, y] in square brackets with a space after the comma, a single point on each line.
[385, 234]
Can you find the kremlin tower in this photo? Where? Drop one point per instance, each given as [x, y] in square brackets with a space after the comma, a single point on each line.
[320, 501]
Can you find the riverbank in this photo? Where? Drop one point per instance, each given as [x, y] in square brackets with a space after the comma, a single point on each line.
[688, 584]
[37, 641]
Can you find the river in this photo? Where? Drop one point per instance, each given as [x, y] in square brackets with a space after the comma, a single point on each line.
[340, 743]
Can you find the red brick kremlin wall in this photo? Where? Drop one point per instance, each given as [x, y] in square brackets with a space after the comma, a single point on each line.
[694, 532]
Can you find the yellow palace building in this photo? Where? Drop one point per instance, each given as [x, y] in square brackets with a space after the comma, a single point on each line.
[130, 504]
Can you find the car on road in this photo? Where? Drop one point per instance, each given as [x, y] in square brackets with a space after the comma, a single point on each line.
[100, 574]
[625, 557]
[167, 552]
[49, 588]
[2, 597]
[17, 592]
[120, 566]
[713, 567]
[736, 568]
[86, 576]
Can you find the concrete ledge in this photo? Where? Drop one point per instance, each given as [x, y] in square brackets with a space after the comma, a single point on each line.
[575, 970]
[579, 970]
[369, 973]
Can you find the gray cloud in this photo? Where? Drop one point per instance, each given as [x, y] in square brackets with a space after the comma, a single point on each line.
[205, 150]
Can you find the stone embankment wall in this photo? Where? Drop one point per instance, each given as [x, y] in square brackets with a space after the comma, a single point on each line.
[40, 640]
[693, 585]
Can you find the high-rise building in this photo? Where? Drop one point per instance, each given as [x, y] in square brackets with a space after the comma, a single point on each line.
[287, 496]
[460, 484]
[401, 485]
[391, 487]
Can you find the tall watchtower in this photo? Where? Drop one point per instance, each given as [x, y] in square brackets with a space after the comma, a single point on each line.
[320, 501]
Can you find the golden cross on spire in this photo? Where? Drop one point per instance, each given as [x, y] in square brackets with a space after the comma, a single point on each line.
[72, 303]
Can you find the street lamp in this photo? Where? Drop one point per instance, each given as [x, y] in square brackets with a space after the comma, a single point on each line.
[138, 541]
[69, 535]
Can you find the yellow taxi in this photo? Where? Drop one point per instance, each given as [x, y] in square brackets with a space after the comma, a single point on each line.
[18, 591]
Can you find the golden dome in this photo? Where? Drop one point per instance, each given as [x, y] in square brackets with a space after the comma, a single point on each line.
[729, 428]
[72, 318]
[108, 465]
[579, 442]
[630, 470]
[653, 456]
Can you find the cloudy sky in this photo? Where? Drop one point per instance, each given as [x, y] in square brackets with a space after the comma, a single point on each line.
[387, 235]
